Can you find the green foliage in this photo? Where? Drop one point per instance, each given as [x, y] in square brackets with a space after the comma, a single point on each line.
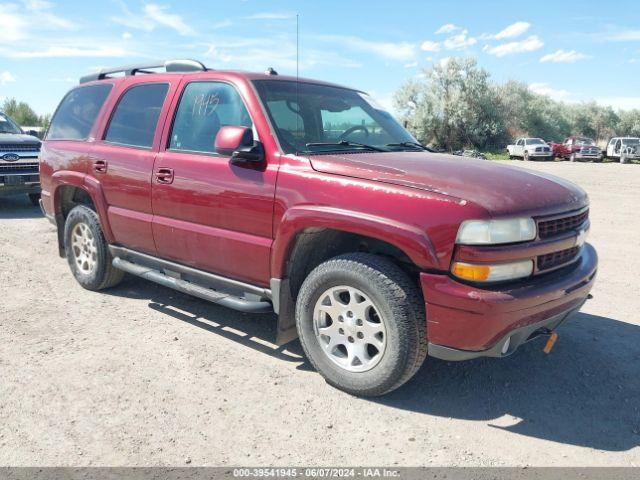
[23, 114]
[455, 105]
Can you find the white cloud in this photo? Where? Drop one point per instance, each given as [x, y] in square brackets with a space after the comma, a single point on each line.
[159, 15]
[627, 35]
[513, 30]
[546, 89]
[271, 16]
[401, 51]
[41, 9]
[6, 77]
[14, 24]
[448, 28]
[562, 56]
[459, 41]
[61, 51]
[429, 46]
[152, 16]
[411, 65]
[127, 36]
[530, 44]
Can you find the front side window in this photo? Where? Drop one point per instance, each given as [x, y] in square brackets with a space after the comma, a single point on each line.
[312, 118]
[520, 142]
[135, 119]
[77, 112]
[204, 108]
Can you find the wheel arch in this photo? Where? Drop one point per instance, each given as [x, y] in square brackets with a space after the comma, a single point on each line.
[75, 188]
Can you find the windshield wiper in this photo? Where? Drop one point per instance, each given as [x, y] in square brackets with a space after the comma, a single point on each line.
[346, 143]
[410, 145]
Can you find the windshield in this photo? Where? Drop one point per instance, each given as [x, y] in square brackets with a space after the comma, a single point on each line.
[310, 118]
[631, 141]
[8, 126]
[584, 141]
[535, 141]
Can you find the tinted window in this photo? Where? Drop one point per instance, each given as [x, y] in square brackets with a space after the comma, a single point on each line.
[78, 112]
[203, 109]
[135, 119]
[315, 118]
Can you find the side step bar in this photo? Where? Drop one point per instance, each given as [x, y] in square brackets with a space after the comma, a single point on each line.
[213, 288]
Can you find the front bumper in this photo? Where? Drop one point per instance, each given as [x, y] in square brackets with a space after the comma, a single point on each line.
[465, 321]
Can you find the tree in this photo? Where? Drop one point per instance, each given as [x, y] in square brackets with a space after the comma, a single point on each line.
[453, 106]
[23, 114]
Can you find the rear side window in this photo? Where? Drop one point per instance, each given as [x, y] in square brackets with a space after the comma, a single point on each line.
[135, 119]
[204, 108]
[77, 112]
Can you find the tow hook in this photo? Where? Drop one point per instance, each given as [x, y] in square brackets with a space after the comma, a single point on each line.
[589, 297]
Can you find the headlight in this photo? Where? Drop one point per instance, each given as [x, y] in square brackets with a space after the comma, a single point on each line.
[491, 232]
[492, 273]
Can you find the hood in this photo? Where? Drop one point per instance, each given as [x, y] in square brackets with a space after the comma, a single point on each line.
[22, 138]
[499, 189]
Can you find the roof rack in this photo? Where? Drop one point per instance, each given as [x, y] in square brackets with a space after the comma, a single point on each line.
[169, 66]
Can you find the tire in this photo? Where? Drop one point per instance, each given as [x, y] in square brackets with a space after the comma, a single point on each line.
[35, 199]
[400, 308]
[87, 252]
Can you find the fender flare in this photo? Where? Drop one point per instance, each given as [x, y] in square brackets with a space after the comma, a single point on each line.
[411, 240]
[88, 184]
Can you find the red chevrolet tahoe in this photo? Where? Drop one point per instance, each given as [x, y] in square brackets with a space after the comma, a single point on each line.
[267, 193]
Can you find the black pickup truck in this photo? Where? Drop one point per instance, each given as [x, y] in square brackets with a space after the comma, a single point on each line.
[18, 161]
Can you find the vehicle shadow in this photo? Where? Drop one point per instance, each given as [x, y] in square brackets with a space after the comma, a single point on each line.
[586, 392]
[256, 331]
[18, 206]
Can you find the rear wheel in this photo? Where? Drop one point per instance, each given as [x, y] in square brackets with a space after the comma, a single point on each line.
[361, 323]
[87, 251]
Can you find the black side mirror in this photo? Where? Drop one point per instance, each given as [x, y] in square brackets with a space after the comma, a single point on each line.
[253, 154]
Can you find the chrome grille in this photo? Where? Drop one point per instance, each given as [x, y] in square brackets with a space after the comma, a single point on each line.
[18, 147]
[18, 167]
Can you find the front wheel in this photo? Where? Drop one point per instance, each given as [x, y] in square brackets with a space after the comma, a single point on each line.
[35, 199]
[361, 323]
[87, 250]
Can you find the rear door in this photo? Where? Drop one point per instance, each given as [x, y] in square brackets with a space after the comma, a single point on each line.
[209, 213]
[122, 161]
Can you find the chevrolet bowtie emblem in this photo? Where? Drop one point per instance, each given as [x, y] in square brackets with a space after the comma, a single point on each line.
[581, 238]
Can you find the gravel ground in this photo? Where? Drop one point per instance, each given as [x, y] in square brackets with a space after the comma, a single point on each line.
[142, 375]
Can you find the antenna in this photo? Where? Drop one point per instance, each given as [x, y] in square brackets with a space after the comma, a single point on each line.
[297, 74]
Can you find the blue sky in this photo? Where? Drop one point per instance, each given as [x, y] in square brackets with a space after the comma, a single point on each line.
[572, 50]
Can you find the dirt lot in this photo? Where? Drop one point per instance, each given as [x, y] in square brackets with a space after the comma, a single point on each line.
[143, 375]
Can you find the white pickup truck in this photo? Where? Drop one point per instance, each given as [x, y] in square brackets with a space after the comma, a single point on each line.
[624, 148]
[530, 149]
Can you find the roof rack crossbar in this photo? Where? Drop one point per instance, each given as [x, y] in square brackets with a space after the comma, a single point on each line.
[128, 70]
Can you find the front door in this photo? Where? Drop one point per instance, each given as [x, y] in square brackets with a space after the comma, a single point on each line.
[123, 161]
[209, 213]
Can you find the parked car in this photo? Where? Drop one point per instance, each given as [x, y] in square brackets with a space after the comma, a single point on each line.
[624, 149]
[530, 149]
[577, 148]
[18, 161]
[239, 188]
[470, 153]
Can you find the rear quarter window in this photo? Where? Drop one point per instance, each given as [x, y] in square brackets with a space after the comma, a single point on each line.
[135, 119]
[77, 112]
